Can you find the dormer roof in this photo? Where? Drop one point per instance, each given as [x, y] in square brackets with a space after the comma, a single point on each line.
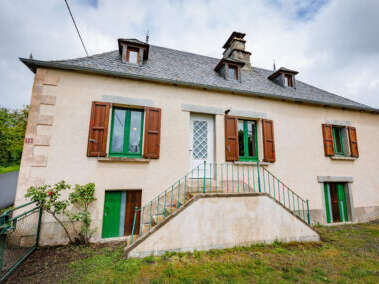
[282, 70]
[223, 61]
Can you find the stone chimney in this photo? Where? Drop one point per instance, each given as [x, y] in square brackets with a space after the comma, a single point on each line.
[235, 49]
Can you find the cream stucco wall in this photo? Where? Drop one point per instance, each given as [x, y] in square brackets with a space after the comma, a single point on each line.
[59, 120]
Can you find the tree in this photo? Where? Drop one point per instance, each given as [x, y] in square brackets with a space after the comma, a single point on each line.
[12, 132]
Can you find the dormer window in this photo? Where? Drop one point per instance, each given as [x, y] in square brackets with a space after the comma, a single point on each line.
[230, 69]
[288, 82]
[133, 55]
[284, 77]
[133, 51]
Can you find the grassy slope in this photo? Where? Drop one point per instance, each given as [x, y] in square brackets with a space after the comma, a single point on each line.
[9, 169]
[347, 254]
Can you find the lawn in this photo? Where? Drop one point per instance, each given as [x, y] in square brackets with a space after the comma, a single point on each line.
[8, 169]
[346, 254]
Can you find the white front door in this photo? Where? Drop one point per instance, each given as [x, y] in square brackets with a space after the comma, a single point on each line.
[201, 144]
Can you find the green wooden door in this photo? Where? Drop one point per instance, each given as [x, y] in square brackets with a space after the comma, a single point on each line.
[342, 202]
[111, 218]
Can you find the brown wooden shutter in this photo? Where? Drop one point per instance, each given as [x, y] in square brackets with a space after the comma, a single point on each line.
[231, 138]
[268, 140]
[327, 134]
[353, 141]
[98, 130]
[152, 132]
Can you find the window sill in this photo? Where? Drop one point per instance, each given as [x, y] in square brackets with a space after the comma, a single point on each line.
[343, 158]
[123, 159]
[252, 163]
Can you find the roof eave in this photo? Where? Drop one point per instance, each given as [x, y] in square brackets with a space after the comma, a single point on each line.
[34, 64]
[29, 64]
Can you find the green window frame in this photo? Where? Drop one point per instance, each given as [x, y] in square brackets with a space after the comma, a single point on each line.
[243, 136]
[125, 133]
[338, 141]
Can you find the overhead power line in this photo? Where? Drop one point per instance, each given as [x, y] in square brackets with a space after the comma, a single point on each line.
[76, 27]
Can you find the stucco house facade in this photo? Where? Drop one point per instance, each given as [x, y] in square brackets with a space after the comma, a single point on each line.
[135, 120]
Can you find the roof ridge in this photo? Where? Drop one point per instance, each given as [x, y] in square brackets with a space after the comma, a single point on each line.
[187, 52]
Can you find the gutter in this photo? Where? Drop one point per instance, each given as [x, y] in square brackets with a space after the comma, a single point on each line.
[33, 64]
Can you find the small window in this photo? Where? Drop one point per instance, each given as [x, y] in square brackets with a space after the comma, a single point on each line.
[233, 72]
[338, 140]
[126, 132]
[288, 82]
[132, 55]
[247, 140]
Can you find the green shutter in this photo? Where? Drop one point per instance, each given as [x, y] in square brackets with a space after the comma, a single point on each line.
[111, 218]
[342, 202]
[328, 206]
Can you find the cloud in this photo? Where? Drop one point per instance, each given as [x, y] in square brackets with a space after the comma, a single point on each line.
[331, 43]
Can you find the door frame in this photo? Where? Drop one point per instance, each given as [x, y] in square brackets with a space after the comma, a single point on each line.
[348, 197]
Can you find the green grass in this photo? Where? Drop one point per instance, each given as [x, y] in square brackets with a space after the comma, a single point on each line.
[347, 254]
[8, 169]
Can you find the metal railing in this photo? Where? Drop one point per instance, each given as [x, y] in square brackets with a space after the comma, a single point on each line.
[217, 178]
[19, 236]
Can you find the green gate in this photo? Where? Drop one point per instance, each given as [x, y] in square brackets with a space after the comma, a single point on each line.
[19, 236]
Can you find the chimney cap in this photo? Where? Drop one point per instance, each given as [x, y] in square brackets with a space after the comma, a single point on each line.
[233, 35]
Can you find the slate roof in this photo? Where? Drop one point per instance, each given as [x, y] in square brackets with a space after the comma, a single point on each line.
[187, 69]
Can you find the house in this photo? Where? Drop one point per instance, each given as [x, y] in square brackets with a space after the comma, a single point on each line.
[145, 118]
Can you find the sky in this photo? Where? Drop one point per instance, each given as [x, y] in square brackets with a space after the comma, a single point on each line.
[334, 44]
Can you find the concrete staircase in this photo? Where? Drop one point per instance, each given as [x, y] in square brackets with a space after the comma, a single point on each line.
[226, 179]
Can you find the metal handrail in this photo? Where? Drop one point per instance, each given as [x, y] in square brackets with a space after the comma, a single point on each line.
[216, 176]
[8, 225]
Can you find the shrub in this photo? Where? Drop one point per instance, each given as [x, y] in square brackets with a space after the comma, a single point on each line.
[81, 198]
[48, 197]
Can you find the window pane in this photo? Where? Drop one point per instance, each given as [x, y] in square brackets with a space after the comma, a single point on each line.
[251, 138]
[338, 140]
[286, 81]
[118, 130]
[133, 56]
[232, 73]
[240, 138]
[135, 132]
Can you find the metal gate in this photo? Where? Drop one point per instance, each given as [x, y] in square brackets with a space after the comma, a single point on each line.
[19, 236]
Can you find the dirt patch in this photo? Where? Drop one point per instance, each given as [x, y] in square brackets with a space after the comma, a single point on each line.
[48, 264]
